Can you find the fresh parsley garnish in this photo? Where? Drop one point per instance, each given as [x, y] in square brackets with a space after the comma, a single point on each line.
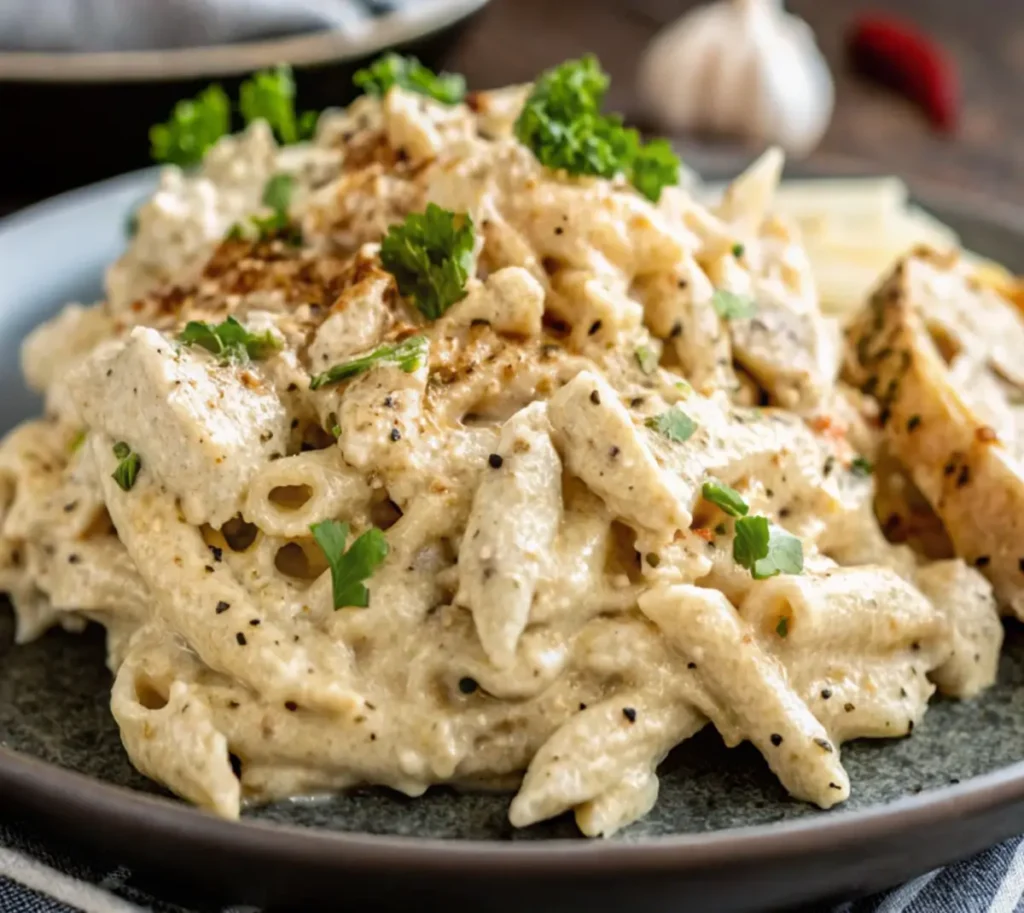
[654, 166]
[277, 194]
[861, 466]
[728, 499]
[563, 126]
[128, 469]
[730, 306]
[409, 74]
[738, 250]
[333, 428]
[350, 568]
[430, 255]
[194, 126]
[766, 550]
[408, 355]
[270, 95]
[229, 340]
[75, 444]
[646, 359]
[674, 424]
[782, 628]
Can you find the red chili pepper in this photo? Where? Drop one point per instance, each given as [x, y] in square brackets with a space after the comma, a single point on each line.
[895, 53]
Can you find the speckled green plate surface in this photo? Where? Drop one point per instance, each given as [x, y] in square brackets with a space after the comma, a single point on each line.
[723, 835]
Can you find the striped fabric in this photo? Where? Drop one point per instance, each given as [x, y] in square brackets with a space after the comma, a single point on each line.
[34, 879]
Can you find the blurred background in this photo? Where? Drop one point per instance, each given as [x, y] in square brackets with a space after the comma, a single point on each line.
[81, 80]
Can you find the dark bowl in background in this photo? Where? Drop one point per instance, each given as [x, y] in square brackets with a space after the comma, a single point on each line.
[71, 119]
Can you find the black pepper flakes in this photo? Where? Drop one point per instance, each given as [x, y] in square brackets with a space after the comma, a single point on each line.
[583, 706]
[963, 477]
[254, 622]
[676, 331]
[849, 708]
[776, 739]
[826, 693]
[629, 713]
[913, 423]
[240, 637]
[222, 607]
[467, 685]
[834, 786]
[691, 665]
[218, 553]
[613, 451]
[982, 561]
[70, 506]
[396, 435]
[595, 397]
[291, 706]
[73, 559]
[495, 461]
[595, 327]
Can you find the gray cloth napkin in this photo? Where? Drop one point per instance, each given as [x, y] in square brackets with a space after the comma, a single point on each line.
[37, 879]
[123, 25]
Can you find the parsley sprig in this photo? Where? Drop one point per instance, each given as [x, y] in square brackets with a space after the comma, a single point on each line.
[270, 95]
[430, 255]
[350, 568]
[730, 306]
[562, 124]
[409, 74]
[766, 550]
[197, 123]
[409, 355]
[674, 424]
[127, 470]
[761, 547]
[726, 498]
[229, 340]
[194, 126]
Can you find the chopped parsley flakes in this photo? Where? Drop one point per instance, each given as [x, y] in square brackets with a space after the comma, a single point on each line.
[766, 550]
[730, 306]
[128, 467]
[674, 424]
[861, 466]
[409, 74]
[430, 255]
[197, 123]
[350, 568]
[562, 124]
[409, 355]
[646, 359]
[194, 126]
[229, 340]
[728, 499]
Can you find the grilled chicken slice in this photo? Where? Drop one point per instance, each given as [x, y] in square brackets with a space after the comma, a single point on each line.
[928, 314]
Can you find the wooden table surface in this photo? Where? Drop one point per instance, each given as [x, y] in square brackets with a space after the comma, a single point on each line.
[516, 38]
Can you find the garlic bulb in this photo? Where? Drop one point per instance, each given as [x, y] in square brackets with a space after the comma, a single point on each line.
[740, 67]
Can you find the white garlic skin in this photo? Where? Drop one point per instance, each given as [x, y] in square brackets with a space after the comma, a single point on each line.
[742, 68]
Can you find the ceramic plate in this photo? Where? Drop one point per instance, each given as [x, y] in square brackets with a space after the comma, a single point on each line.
[723, 835]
